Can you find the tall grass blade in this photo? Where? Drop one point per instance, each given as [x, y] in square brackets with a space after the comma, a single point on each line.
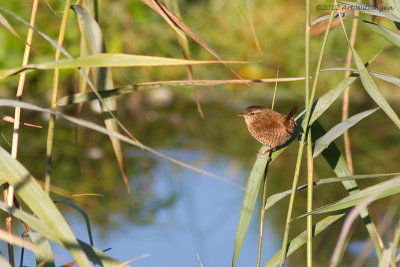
[93, 37]
[95, 255]
[336, 131]
[27, 189]
[108, 60]
[249, 201]
[339, 165]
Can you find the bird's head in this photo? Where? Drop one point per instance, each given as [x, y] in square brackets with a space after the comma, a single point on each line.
[253, 113]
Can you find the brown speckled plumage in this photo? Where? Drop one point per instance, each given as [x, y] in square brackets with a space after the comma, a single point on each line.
[269, 127]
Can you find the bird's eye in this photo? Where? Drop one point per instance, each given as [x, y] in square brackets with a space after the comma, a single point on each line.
[252, 113]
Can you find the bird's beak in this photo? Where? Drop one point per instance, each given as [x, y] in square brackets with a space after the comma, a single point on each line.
[241, 115]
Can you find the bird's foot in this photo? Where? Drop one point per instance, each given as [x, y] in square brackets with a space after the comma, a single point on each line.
[259, 154]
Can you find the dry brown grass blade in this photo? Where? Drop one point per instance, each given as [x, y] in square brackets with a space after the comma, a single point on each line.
[8, 26]
[11, 120]
[191, 77]
[253, 29]
[179, 26]
[184, 45]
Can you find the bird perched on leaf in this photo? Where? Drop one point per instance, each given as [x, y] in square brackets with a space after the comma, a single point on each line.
[269, 127]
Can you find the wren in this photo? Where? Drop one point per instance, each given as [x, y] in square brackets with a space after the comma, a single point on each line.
[269, 127]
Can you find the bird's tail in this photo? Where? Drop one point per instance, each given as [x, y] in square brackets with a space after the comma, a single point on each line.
[292, 112]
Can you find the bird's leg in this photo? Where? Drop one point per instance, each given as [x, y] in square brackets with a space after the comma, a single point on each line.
[264, 152]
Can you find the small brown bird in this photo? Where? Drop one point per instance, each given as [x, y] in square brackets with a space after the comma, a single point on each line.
[269, 127]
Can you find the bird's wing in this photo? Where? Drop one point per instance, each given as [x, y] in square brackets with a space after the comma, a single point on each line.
[270, 127]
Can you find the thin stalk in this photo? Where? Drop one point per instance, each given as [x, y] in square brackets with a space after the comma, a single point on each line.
[310, 176]
[50, 133]
[301, 146]
[309, 148]
[262, 216]
[307, 53]
[346, 95]
[9, 190]
[276, 85]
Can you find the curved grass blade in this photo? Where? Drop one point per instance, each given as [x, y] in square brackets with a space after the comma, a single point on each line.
[301, 239]
[389, 35]
[83, 214]
[357, 177]
[84, 97]
[39, 202]
[372, 89]
[180, 27]
[100, 129]
[372, 11]
[386, 189]
[95, 255]
[385, 77]
[273, 199]
[45, 258]
[336, 131]
[93, 38]
[249, 201]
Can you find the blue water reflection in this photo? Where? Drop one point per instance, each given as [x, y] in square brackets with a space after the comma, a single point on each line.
[201, 221]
